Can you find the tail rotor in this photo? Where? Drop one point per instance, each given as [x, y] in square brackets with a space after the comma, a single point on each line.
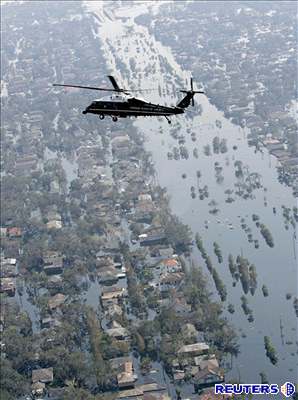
[189, 95]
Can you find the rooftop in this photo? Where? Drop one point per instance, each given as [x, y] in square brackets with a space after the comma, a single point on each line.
[196, 347]
[44, 375]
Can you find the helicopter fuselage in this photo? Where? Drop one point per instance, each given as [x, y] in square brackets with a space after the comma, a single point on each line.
[124, 106]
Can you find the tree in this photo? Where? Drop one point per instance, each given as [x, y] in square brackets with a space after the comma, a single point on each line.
[225, 339]
[177, 233]
[270, 350]
[207, 150]
[18, 348]
[238, 168]
[220, 286]
[217, 252]
[139, 343]
[73, 393]
[195, 288]
[97, 344]
[267, 235]
[12, 384]
[216, 144]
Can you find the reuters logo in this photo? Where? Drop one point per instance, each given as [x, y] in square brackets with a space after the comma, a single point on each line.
[287, 389]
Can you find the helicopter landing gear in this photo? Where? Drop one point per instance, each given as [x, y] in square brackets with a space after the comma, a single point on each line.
[169, 121]
[115, 119]
[101, 116]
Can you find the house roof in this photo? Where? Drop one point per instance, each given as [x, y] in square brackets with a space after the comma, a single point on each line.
[149, 391]
[44, 375]
[37, 388]
[170, 262]
[131, 393]
[56, 301]
[38, 385]
[211, 363]
[108, 272]
[14, 231]
[196, 347]
[208, 371]
[172, 277]
[8, 270]
[55, 279]
[7, 284]
[10, 261]
[144, 197]
[114, 309]
[3, 231]
[166, 252]
[189, 329]
[54, 224]
[118, 363]
[113, 292]
[116, 332]
[52, 258]
[179, 375]
[127, 376]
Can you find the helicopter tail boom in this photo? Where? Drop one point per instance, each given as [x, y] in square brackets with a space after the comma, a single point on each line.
[185, 102]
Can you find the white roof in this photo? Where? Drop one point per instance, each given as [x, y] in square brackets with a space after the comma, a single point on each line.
[193, 347]
[114, 98]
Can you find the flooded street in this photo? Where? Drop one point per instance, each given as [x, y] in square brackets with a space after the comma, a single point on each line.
[70, 166]
[276, 267]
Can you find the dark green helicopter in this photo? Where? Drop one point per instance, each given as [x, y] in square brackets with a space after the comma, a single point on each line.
[121, 104]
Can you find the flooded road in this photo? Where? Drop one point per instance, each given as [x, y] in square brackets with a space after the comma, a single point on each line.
[122, 40]
[69, 165]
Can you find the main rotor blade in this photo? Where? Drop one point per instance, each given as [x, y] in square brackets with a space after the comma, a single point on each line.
[125, 91]
[191, 84]
[192, 101]
[87, 87]
[114, 83]
[140, 90]
[192, 91]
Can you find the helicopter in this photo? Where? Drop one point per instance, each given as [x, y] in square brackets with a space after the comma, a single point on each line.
[121, 104]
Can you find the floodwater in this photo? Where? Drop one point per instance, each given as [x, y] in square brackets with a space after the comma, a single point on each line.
[122, 39]
[70, 166]
[23, 299]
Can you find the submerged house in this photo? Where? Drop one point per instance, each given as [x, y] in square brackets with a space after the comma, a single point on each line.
[208, 377]
[170, 280]
[195, 349]
[147, 391]
[56, 301]
[127, 378]
[152, 239]
[8, 286]
[125, 375]
[53, 263]
[8, 268]
[44, 375]
[14, 232]
[112, 295]
[117, 331]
